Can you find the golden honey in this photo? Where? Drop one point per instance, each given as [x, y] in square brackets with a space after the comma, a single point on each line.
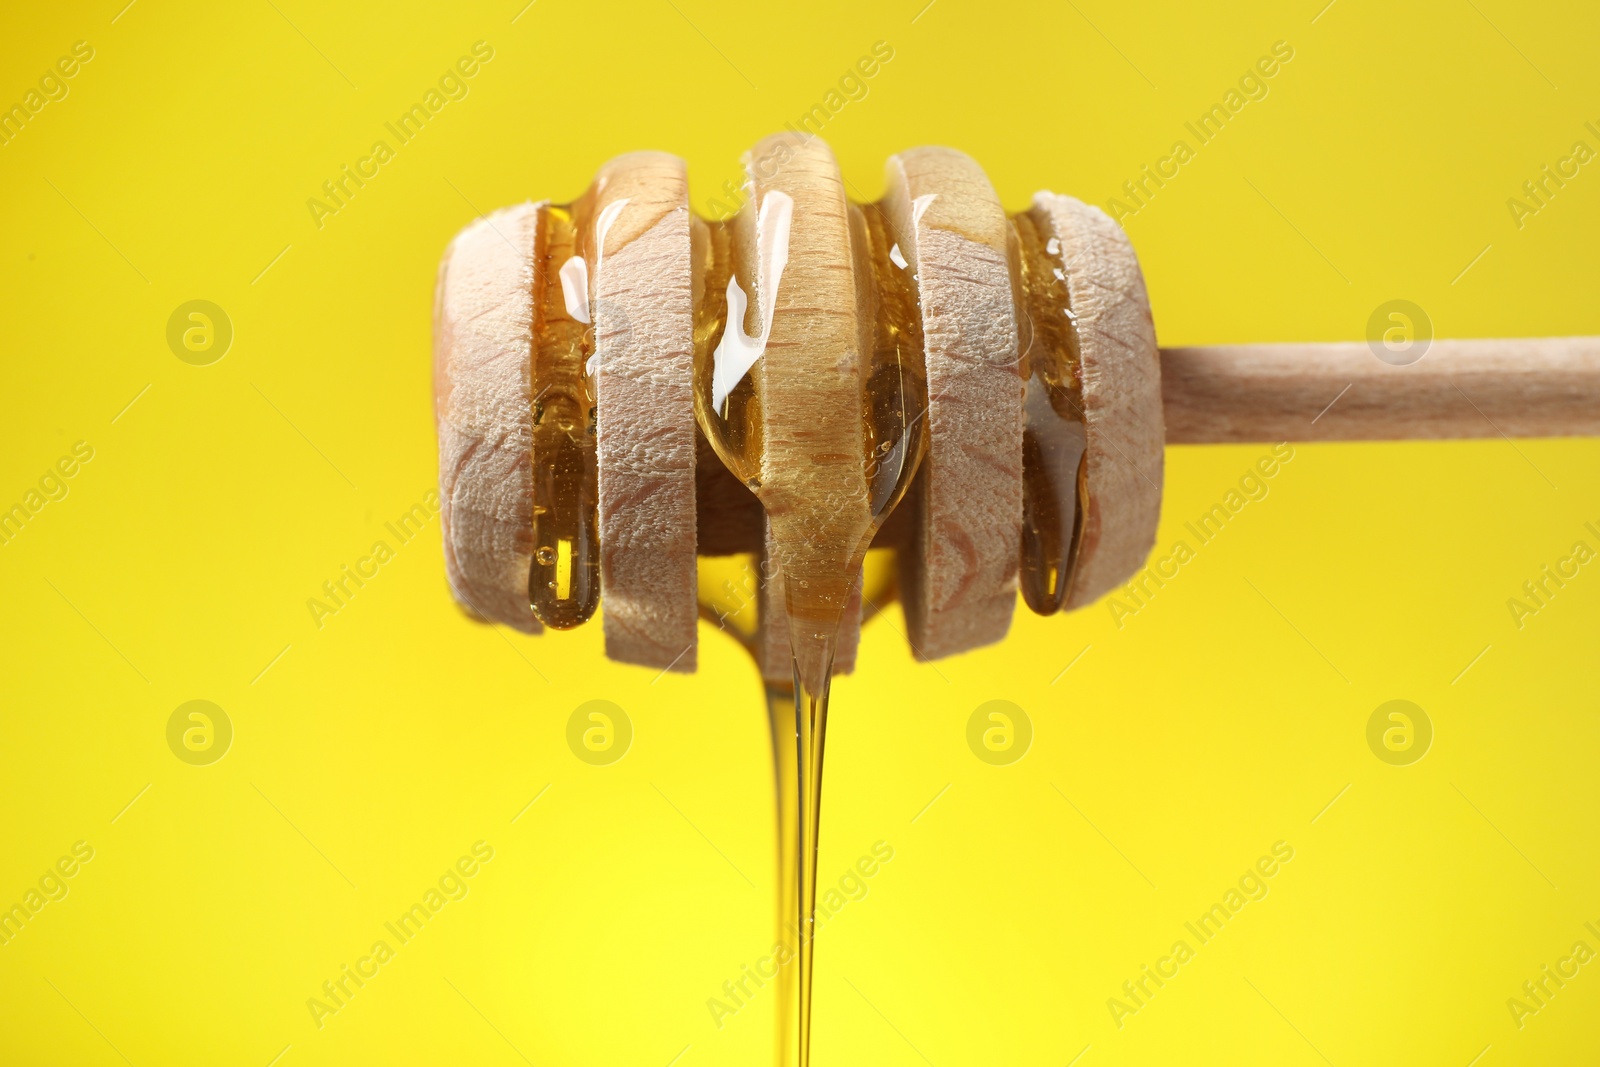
[819, 526]
[564, 579]
[816, 544]
[1054, 432]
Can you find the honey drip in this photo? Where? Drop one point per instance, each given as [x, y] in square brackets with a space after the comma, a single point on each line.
[818, 542]
[1054, 434]
[564, 578]
[821, 521]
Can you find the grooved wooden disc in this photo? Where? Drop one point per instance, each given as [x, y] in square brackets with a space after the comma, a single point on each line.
[644, 336]
[809, 376]
[959, 575]
[1121, 394]
[482, 350]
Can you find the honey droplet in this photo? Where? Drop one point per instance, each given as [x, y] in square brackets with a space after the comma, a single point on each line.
[564, 576]
[1054, 432]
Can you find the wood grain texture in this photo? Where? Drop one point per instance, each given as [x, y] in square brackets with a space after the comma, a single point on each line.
[959, 575]
[1543, 387]
[773, 652]
[1121, 394]
[482, 351]
[644, 337]
[813, 478]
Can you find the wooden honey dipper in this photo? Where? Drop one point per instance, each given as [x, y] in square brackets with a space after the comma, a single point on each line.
[575, 345]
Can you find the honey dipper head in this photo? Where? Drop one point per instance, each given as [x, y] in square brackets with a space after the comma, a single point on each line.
[1001, 371]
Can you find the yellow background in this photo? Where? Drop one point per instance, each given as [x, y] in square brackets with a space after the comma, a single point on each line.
[377, 749]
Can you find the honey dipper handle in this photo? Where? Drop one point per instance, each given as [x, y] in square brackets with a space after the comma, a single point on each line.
[1542, 387]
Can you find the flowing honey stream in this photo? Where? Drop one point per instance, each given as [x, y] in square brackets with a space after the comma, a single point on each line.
[819, 560]
[818, 557]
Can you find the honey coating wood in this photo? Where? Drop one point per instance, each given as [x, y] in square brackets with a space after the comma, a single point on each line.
[772, 635]
[644, 337]
[810, 384]
[959, 577]
[483, 338]
[1121, 394]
